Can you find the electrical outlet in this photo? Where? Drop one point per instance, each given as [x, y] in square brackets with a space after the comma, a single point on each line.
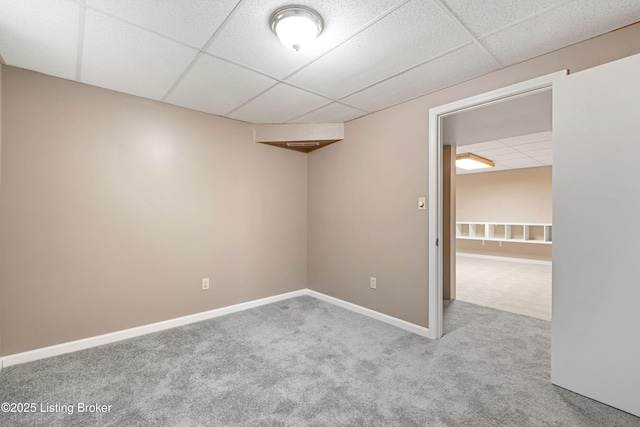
[372, 282]
[205, 284]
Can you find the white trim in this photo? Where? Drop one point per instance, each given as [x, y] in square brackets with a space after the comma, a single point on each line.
[435, 225]
[502, 258]
[402, 324]
[492, 239]
[69, 347]
[436, 115]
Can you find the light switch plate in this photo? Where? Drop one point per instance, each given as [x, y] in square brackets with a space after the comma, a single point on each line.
[422, 203]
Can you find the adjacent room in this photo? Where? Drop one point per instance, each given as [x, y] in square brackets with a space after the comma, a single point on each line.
[501, 204]
[218, 213]
[504, 230]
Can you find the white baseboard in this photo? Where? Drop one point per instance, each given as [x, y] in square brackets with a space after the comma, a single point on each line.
[501, 258]
[69, 347]
[402, 324]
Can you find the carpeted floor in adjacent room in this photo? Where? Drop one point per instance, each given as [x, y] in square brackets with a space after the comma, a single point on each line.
[304, 362]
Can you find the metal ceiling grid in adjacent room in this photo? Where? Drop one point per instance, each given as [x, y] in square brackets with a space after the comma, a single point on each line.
[525, 151]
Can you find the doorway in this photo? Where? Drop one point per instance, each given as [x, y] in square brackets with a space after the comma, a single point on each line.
[496, 266]
[442, 239]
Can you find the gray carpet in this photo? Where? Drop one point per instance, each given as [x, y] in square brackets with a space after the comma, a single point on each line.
[303, 362]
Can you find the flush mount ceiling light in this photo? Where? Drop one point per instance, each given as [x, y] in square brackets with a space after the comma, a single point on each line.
[470, 161]
[296, 26]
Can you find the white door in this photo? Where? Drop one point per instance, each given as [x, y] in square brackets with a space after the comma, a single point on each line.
[595, 347]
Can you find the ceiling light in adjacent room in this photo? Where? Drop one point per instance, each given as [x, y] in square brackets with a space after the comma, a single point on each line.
[296, 26]
[470, 161]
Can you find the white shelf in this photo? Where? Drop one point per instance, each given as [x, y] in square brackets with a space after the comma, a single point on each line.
[505, 232]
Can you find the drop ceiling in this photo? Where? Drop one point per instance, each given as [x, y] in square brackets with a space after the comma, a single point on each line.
[221, 57]
[519, 152]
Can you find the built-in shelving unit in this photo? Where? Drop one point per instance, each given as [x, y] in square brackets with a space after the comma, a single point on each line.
[505, 232]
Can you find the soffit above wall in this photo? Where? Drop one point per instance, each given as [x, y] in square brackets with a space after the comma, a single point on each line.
[299, 137]
[222, 58]
[522, 115]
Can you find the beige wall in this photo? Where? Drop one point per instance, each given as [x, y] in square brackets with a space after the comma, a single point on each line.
[114, 208]
[363, 216]
[362, 191]
[519, 195]
[532, 251]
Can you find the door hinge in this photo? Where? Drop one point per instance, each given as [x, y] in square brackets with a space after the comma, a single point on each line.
[437, 242]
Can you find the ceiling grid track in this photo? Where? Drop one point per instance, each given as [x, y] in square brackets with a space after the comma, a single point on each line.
[203, 50]
[521, 20]
[257, 96]
[262, 73]
[222, 58]
[354, 34]
[331, 101]
[462, 27]
[524, 154]
[140, 27]
[406, 70]
[324, 106]
[288, 76]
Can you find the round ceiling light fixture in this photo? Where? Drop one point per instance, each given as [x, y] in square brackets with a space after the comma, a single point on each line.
[296, 26]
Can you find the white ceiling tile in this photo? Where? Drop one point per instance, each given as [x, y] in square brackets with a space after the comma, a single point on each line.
[534, 146]
[498, 168]
[481, 17]
[248, 39]
[547, 160]
[490, 153]
[463, 171]
[190, 21]
[526, 139]
[518, 164]
[332, 113]
[541, 152]
[570, 23]
[511, 156]
[218, 87]
[396, 49]
[40, 35]
[122, 57]
[415, 32]
[278, 105]
[461, 65]
[489, 145]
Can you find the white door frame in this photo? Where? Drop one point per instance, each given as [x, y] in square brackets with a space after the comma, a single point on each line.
[436, 115]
